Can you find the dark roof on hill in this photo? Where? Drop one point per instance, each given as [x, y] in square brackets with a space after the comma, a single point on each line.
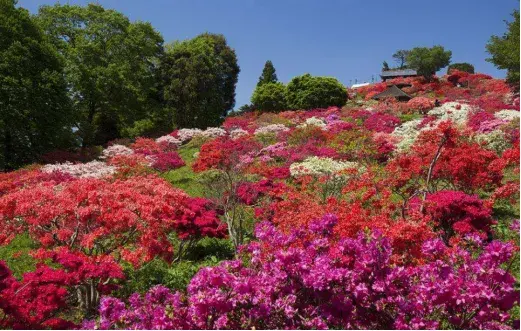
[392, 91]
[402, 72]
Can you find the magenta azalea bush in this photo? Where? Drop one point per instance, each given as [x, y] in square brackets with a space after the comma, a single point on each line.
[279, 283]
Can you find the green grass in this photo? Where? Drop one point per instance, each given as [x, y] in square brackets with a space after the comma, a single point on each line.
[184, 177]
[17, 257]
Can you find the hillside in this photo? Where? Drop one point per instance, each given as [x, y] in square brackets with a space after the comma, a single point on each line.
[379, 214]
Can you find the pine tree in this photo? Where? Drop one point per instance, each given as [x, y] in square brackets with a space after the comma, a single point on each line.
[268, 74]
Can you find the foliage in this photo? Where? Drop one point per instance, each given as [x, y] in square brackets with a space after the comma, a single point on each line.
[505, 50]
[269, 97]
[268, 74]
[426, 61]
[35, 113]
[400, 56]
[322, 284]
[463, 66]
[199, 77]
[308, 92]
[112, 84]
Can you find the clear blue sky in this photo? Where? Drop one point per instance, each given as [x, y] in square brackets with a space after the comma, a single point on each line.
[347, 39]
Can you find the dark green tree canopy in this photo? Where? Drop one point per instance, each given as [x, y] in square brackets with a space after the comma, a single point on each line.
[270, 97]
[400, 56]
[385, 66]
[308, 92]
[268, 74]
[35, 114]
[199, 77]
[110, 66]
[426, 61]
[505, 50]
[463, 66]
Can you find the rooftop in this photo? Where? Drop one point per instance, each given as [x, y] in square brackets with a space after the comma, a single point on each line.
[400, 72]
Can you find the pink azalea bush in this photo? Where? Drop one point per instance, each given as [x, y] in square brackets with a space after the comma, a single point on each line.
[322, 284]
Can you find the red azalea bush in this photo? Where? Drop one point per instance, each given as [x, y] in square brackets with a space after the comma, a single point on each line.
[103, 216]
[457, 213]
[167, 161]
[420, 104]
[381, 122]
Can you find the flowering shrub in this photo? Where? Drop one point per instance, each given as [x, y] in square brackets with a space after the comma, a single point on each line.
[137, 213]
[370, 216]
[93, 169]
[272, 128]
[114, 150]
[458, 213]
[421, 104]
[317, 166]
[346, 285]
[453, 111]
[381, 122]
[166, 161]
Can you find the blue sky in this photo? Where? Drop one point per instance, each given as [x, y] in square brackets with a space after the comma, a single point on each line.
[347, 39]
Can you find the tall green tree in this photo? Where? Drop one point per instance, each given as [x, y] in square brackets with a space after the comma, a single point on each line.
[110, 67]
[268, 74]
[35, 114]
[505, 50]
[463, 66]
[426, 61]
[400, 56]
[270, 97]
[308, 92]
[199, 77]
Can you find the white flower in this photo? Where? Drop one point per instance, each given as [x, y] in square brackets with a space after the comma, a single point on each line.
[407, 134]
[187, 134]
[213, 133]
[507, 115]
[314, 121]
[168, 139]
[236, 133]
[114, 150]
[272, 128]
[449, 111]
[319, 166]
[93, 169]
[494, 140]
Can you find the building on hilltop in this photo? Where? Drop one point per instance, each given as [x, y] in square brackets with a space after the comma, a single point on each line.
[398, 73]
[395, 92]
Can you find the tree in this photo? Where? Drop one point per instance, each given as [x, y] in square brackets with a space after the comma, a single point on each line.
[268, 74]
[199, 77]
[505, 50]
[400, 56]
[426, 61]
[463, 66]
[110, 67]
[270, 97]
[385, 66]
[35, 114]
[308, 92]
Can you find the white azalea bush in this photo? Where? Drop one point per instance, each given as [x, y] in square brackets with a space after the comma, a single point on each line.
[188, 134]
[495, 140]
[236, 133]
[320, 166]
[93, 169]
[507, 115]
[314, 121]
[114, 150]
[272, 128]
[169, 140]
[406, 134]
[453, 111]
